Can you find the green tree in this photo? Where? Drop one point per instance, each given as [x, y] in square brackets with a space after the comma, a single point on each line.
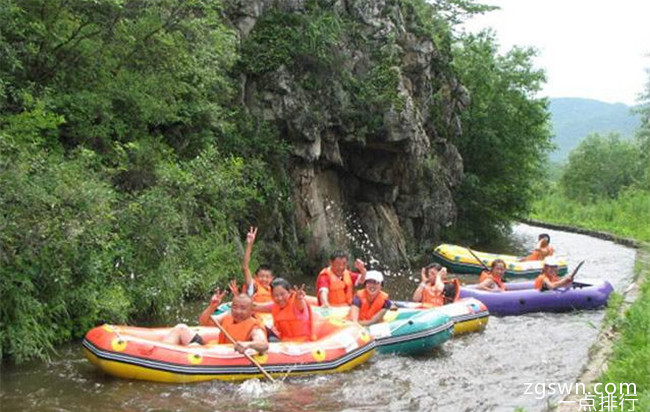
[601, 166]
[505, 134]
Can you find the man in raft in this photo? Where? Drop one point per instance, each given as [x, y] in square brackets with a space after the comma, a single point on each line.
[542, 250]
[431, 289]
[246, 329]
[335, 283]
[370, 304]
[549, 279]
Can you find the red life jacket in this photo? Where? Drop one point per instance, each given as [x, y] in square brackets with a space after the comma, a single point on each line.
[340, 290]
[287, 323]
[240, 331]
[369, 309]
[496, 279]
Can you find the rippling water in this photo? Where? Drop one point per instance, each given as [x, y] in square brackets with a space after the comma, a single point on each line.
[478, 372]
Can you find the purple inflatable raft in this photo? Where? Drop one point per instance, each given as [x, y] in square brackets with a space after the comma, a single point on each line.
[521, 297]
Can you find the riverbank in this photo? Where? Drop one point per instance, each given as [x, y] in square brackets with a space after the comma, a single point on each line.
[621, 353]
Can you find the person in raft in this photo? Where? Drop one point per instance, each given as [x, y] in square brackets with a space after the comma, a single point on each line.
[292, 317]
[335, 283]
[549, 279]
[431, 289]
[258, 287]
[240, 323]
[542, 249]
[370, 304]
[492, 281]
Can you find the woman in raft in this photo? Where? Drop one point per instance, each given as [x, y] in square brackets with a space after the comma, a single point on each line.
[492, 281]
[292, 316]
[370, 304]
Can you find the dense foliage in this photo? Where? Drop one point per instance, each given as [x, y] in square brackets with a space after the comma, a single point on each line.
[126, 173]
[505, 135]
[129, 168]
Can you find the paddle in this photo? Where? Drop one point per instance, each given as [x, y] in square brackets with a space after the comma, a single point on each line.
[249, 357]
[576, 270]
[477, 258]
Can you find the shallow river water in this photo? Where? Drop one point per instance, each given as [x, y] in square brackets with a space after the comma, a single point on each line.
[488, 371]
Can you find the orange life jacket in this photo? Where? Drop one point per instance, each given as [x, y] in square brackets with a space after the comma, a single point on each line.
[540, 254]
[341, 291]
[262, 293]
[489, 275]
[287, 323]
[539, 280]
[240, 331]
[432, 297]
[369, 309]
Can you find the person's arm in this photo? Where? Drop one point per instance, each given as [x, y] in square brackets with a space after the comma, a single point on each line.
[417, 295]
[487, 284]
[565, 281]
[440, 283]
[379, 316]
[215, 301]
[361, 267]
[266, 307]
[322, 290]
[258, 342]
[245, 265]
[354, 313]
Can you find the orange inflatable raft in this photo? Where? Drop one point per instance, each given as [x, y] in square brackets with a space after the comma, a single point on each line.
[117, 351]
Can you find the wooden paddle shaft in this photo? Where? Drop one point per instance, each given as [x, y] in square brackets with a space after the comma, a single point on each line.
[249, 357]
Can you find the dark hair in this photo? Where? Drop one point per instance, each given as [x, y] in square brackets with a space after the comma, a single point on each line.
[544, 235]
[338, 254]
[436, 266]
[264, 267]
[282, 282]
[496, 262]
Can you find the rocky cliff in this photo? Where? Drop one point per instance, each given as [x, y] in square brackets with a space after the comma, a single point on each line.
[363, 92]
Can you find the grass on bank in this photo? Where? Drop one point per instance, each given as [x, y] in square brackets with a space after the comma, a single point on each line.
[627, 216]
[630, 360]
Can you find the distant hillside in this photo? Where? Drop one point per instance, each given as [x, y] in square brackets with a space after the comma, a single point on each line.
[575, 118]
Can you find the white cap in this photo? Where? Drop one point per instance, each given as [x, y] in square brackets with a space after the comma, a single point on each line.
[550, 261]
[375, 275]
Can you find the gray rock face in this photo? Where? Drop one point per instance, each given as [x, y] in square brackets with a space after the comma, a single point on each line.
[387, 162]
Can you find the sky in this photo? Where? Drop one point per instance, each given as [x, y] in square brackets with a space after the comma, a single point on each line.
[596, 49]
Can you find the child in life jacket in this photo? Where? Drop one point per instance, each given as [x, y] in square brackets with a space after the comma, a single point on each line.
[259, 287]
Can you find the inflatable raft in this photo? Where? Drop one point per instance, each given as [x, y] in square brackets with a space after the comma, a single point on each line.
[522, 297]
[404, 331]
[468, 314]
[117, 351]
[458, 259]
